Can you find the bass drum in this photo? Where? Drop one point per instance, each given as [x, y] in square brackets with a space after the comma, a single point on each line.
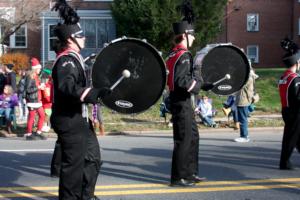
[147, 75]
[216, 61]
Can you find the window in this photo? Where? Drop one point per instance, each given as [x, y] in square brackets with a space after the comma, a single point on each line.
[252, 22]
[252, 53]
[19, 38]
[52, 38]
[97, 32]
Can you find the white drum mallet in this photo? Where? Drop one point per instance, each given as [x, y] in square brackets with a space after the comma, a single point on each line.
[125, 74]
[226, 77]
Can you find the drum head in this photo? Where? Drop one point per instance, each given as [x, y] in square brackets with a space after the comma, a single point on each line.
[147, 75]
[217, 61]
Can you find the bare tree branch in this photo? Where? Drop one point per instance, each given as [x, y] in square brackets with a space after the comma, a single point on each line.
[22, 11]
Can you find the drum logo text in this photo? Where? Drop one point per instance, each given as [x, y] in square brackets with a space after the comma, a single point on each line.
[124, 104]
[224, 87]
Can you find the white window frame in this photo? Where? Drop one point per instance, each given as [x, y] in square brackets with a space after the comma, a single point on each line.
[51, 54]
[253, 59]
[13, 39]
[256, 26]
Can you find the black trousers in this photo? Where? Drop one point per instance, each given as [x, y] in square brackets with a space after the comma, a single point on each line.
[56, 160]
[80, 157]
[186, 142]
[291, 135]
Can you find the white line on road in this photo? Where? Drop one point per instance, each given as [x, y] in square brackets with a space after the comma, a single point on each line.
[26, 150]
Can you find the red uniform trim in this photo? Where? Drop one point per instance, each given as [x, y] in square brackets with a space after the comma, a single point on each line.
[283, 86]
[171, 62]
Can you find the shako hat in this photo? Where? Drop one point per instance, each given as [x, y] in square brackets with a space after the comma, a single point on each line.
[186, 25]
[70, 27]
[182, 27]
[293, 54]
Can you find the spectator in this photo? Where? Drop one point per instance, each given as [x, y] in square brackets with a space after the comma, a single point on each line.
[10, 76]
[230, 109]
[243, 100]
[8, 100]
[23, 111]
[47, 96]
[33, 98]
[205, 112]
[98, 118]
[2, 78]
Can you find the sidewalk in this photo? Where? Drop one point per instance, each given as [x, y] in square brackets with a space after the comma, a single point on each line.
[51, 134]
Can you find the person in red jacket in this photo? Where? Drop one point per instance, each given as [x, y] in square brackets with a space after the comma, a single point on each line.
[47, 96]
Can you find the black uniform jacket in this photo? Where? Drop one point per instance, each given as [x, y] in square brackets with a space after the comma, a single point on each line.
[69, 83]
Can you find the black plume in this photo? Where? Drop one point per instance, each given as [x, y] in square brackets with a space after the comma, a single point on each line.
[187, 11]
[67, 13]
[289, 46]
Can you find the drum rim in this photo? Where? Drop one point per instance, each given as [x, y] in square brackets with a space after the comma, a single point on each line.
[160, 60]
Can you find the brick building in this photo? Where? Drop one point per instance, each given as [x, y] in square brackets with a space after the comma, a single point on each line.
[36, 39]
[258, 26]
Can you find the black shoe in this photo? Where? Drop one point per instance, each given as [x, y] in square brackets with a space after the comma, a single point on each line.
[197, 179]
[41, 136]
[286, 165]
[54, 175]
[182, 183]
[94, 198]
[31, 137]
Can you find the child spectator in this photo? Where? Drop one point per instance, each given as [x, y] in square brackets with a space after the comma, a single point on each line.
[98, 118]
[8, 100]
[230, 109]
[33, 98]
[204, 110]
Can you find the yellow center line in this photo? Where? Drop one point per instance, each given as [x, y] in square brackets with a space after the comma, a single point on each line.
[135, 189]
[195, 190]
[205, 183]
[160, 191]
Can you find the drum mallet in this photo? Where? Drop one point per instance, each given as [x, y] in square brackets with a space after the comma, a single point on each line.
[125, 74]
[226, 77]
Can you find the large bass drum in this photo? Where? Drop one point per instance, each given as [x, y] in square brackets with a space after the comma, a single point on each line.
[216, 61]
[147, 78]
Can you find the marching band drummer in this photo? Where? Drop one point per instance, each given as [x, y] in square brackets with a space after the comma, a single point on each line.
[81, 159]
[183, 81]
[289, 91]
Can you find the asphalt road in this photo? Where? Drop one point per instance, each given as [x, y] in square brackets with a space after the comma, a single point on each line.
[137, 166]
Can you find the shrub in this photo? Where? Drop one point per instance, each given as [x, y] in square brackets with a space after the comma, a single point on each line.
[20, 60]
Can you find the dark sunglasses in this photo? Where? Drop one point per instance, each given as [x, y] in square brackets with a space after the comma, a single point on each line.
[79, 36]
[191, 32]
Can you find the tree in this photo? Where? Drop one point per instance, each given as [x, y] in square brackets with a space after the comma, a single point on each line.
[152, 19]
[16, 13]
[149, 19]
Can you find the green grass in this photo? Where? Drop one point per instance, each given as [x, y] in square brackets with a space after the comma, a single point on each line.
[266, 86]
